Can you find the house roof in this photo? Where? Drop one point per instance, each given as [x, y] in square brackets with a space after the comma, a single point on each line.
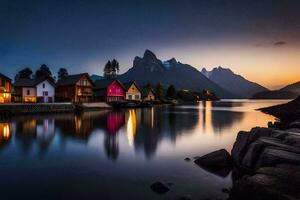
[72, 79]
[5, 77]
[146, 90]
[103, 84]
[31, 82]
[128, 84]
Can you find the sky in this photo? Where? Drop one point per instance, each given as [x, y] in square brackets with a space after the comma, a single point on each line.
[259, 40]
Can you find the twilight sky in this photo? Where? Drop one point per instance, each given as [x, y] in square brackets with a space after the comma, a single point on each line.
[257, 39]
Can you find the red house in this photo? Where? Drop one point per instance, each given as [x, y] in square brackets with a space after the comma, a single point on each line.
[109, 90]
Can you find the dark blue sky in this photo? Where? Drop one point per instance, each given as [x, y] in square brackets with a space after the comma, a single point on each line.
[82, 35]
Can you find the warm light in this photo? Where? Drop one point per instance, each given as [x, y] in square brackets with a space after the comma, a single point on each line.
[5, 131]
[131, 127]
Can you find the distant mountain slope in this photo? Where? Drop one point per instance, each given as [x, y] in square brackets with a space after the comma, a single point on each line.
[275, 94]
[232, 82]
[295, 87]
[95, 77]
[288, 92]
[149, 69]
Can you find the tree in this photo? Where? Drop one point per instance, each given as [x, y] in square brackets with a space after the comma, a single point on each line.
[107, 70]
[43, 72]
[25, 73]
[111, 69]
[171, 92]
[62, 73]
[159, 91]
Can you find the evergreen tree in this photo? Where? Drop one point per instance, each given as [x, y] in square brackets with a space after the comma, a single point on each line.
[159, 91]
[62, 73]
[171, 92]
[24, 73]
[111, 69]
[43, 72]
[107, 70]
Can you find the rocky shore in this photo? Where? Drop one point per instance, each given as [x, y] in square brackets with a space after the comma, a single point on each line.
[265, 162]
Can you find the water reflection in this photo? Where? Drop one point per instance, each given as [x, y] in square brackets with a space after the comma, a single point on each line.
[144, 128]
[5, 134]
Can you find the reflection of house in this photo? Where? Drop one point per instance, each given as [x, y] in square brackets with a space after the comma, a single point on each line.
[133, 92]
[74, 88]
[45, 131]
[5, 89]
[109, 90]
[148, 94]
[34, 90]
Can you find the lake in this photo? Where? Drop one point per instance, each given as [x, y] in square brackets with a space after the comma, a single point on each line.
[119, 154]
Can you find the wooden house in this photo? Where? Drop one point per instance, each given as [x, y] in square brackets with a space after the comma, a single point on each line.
[133, 92]
[77, 88]
[148, 94]
[5, 89]
[41, 90]
[109, 90]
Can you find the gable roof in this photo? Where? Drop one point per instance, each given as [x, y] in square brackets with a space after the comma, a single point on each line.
[146, 90]
[23, 82]
[103, 84]
[127, 85]
[72, 79]
[5, 77]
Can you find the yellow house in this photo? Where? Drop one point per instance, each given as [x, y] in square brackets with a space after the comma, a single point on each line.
[133, 92]
[5, 89]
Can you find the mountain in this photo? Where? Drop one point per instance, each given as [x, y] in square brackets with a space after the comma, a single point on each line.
[275, 94]
[288, 92]
[95, 77]
[232, 82]
[149, 69]
[294, 87]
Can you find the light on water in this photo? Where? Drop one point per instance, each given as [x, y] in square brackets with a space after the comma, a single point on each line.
[118, 154]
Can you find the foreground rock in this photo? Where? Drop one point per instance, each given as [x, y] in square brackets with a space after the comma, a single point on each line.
[265, 163]
[160, 187]
[218, 162]
[271, 158]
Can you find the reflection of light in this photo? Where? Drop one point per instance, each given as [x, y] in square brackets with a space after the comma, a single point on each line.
[131, 127]
[5, 131]
[152, 117]
[206, 116]
[78, 123]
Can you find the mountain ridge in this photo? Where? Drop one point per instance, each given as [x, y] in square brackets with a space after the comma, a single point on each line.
[233, 82]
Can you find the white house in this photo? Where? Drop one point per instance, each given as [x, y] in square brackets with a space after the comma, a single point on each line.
[45, 91]
[41, 90]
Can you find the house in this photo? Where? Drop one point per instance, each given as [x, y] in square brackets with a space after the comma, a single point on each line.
[133, 92]
[148, 94]
[5, 89]
[109, 90]
[77, 88]
[41, 90]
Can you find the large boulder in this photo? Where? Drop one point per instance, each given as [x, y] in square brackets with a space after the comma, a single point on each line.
[218, 162]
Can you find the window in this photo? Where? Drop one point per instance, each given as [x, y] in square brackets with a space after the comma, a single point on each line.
[136, 96]
[2, 82]
[45, 93]
[43, 85]
[28, 92]
[130, 96]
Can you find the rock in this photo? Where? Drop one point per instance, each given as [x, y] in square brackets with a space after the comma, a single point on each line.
[295, 124]
[225, 190]
[218, 162]
[239, 148]
[187, 159]
[160, 187]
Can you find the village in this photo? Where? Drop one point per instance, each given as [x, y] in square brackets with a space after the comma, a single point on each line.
[42, 88]
[76, 89]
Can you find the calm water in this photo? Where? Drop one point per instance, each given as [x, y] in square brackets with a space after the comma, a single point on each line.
[118, 154]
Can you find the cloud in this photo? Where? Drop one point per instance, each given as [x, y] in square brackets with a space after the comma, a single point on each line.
[280, 43]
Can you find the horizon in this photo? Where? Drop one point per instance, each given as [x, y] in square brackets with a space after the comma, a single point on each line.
[83, 38]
